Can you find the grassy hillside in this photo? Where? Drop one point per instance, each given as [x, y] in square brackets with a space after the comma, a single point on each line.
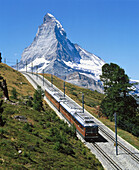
[16, 80]
[37, 140]
[41, 141]
[92, 99]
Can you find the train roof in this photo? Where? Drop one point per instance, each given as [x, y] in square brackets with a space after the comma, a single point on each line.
[73, 108]
[77, 112]
[59, 96]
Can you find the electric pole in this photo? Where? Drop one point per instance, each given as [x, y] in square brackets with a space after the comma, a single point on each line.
[37, 72]
[64, 88]
[83, 101]
[43, 77]
[32, 67]
[17, 64]
[115, 117]
[26, 66]
[52, 80]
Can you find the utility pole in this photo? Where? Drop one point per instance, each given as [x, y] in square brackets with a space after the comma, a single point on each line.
[37, 72]
[83, 101]
[32, 67]
[64, 88]
[52, 80]
[17, 64]
[43, 77]
[26, 66]
[115, 117]
[5, 60]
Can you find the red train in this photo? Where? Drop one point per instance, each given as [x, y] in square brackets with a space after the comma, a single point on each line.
[73, 113]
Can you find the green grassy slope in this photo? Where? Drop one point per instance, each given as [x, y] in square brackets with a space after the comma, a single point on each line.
[40, 140]
[16, 80]
[92, 100]
[45, 142]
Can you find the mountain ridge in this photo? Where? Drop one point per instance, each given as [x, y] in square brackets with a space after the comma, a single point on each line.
[52, 52]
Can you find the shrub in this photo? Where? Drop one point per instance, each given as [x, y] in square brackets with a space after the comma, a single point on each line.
[135, 130]
[29, 103]
[1, 95]
[2, 120]
[37, 144]
[37, 99]
[57, 146]
[14, 93]
[48, 124]
[2, 132]
[9, 111]
[27, 127]
[68, 150]
[74, 93]
[26, 154]
[73, 131]
[84, 151]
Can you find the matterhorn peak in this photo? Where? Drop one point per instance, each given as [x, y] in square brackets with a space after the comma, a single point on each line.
[52, 52]
[48, 18]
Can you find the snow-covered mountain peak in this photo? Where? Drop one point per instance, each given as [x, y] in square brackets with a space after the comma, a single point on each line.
[54, 53]
[50, 19]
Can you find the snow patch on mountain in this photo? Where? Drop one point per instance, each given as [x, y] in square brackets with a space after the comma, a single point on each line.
[135, 87]
[52, 52]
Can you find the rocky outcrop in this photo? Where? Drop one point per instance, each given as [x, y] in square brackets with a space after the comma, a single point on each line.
[84, 81]
[3, 87]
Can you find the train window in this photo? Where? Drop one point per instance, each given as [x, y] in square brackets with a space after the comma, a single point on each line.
[88, 130]
[89, 121]
[91, 129]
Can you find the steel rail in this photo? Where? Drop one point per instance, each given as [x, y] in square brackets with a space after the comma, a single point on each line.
[107, 158]
[104, 131]
[133, 156]
[46, 83]
[94, 145]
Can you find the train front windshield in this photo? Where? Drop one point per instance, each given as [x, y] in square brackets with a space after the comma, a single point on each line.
[92, 129]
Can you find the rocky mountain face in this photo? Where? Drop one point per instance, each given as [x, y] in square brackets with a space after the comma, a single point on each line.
[54, 53]
[84, 81]
[136, 88]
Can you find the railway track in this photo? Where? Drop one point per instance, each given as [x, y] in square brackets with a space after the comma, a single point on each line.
[111, 162]
[133, 156]
[108, 159]
[46, 83]
[30, 77]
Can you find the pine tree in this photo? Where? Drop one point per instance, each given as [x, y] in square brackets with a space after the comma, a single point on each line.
[117, 88]
[37, 99]
[0, 58]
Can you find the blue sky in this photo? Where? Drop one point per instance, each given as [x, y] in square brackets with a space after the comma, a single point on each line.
[107, 28]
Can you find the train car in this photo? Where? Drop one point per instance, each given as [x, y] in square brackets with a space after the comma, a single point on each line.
[83, 122]
[53, 96]
[73, 113]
